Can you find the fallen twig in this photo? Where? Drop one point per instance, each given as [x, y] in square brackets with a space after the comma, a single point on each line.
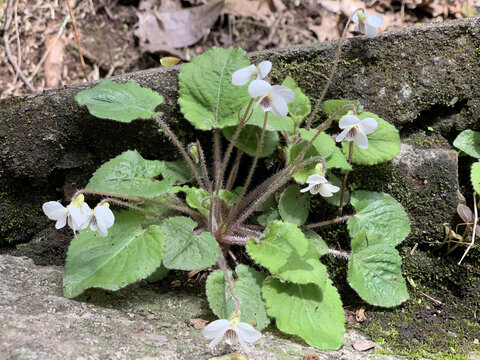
[77, 40]
[9, 51]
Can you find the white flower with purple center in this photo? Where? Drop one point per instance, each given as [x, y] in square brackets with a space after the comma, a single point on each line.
[318, 184]
[100, 219]
[367, 24]
[243, 76]
[234, 331]
[356, 130]
[274, 98]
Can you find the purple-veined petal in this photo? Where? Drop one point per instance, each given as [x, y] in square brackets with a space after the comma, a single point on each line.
[263, 69]
[215, 328]
[54, 210]
[247, 332]
[370, 30]
[361, 140]
[242, 76]
[287, 94]
[259, 88]
[348, 121]
[342, 135]
[368, 125]
[278, 106]
[375, 20]
[315, 189]
[316, 179]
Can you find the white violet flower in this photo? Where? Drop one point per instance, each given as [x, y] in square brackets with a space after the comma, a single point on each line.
[100, 219]
[356, 129]
[274, 98]
[318, 184]
[367, 24]
[74, 213]
[233, 331]
[243, 76]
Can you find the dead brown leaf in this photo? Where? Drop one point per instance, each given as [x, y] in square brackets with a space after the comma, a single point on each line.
[198, 324]
[53, 62]
[360, 315]
[256, 9]
[364, 345]
[164, 30]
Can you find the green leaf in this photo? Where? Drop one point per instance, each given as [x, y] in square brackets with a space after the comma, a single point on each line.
[130, 174]
[284, 250]
[383, 143]
[475, 176]
[469, 142]
[338, 161]
[120, 102]
[329, 107]
[178, 170]
[183, 249]
[313, 313]
[199, 199]
[315, 239]
[128, 254]
[268, 217]
[293, 205]
[158, 274]
[248, 139]
[248, 289]
[207, 97]
[374, 271]
[274, 123]
[300, 107]
[379, 213]
[335, 199]
[322, 146]
[268, 205]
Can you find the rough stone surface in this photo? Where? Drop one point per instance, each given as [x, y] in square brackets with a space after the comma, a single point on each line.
[421, 77]
[139, 322]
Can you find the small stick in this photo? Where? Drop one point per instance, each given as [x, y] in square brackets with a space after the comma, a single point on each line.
[77, 40]
[413, 249]
[339, 253]
[9, 51]
[329, 222]
[438, 302]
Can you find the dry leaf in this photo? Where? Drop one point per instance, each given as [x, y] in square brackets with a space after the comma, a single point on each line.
[198, 324]
[161, 31]
[53, 62]
[253, 8]
[232, 356]
[169, 61]
[360, 315]
[364, 345]
[310, 357]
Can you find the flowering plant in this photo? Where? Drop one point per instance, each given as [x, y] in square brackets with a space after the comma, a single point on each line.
[195, 214]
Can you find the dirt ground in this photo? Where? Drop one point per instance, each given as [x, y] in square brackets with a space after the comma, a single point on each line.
[39, 50]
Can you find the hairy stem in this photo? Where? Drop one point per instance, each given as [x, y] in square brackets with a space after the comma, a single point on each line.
[234, 171]
[131, 206]
[181, 148]
[332, 73]
[344, 182]
[204, 167]
[222, 264]
[329, 222]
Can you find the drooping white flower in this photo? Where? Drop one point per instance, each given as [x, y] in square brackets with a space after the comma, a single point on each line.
[74, 214]
[233, 331]
[356, 129]
[367, 24]
[243, 76]
[318, 184]
[274, 98]
[100, 219]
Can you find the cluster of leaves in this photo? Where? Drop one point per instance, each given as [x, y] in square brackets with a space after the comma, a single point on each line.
[469, 142]
[169, 223]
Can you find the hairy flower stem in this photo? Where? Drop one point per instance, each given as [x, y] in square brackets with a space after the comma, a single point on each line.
[234, 170]
[194, 214]
[344, 182]
[222, 265]
[329, 222]
[235, 136]
[252, 169]
[204, 167]
[181, 148]
[131, 206]
[332, 73]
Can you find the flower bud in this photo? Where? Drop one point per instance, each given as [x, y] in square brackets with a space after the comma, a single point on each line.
[193, 151]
